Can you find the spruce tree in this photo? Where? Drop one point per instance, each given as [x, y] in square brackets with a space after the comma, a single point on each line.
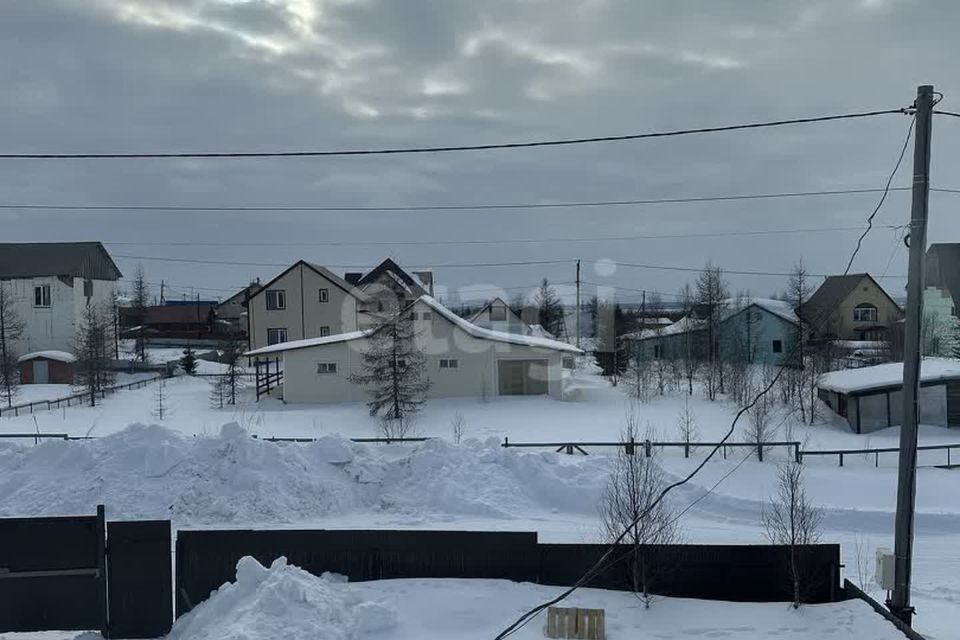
[394, 370]
[189, 361]
[551, 309]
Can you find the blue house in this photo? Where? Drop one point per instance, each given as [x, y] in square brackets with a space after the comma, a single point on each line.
[756, 330]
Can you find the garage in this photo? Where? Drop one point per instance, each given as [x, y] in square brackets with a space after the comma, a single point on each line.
[523, 377]
[47, 367]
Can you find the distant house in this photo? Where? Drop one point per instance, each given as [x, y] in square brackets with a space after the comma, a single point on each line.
[871, 398]
[188, 321]
[391, 288]
[851, 307]
[759, 330]
[941, 297]
[499, 316]
[52, 283]
[462, 359]
[233, 311]
[305, 301]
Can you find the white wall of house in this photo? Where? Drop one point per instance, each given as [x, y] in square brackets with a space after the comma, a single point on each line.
[54, 327]
[304, 314]
[476, 373]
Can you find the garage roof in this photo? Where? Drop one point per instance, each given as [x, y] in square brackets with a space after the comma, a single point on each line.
[885, 376]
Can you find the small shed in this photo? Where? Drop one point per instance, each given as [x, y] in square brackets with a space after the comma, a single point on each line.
[871, 398]
[47, 367]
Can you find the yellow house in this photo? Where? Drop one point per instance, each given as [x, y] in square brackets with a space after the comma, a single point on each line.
[851, 307]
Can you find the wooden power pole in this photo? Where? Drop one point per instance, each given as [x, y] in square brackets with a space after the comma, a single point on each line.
[899, 602]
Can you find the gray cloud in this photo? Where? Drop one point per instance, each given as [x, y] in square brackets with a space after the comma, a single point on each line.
[144, 75]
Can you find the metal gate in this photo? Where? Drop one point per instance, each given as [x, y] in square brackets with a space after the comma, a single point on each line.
[52, 573]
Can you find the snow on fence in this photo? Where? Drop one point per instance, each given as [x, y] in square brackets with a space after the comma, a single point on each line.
[77, 398]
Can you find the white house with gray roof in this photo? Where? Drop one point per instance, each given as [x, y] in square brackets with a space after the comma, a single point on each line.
[462, 359]
[52, 283]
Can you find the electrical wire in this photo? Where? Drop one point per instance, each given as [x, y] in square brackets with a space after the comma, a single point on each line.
[445, 149]
[446, 207]
[947, 113]
[883, 197]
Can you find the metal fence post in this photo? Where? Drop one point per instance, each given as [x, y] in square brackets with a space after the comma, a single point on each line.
[841, 458]
[648, 448]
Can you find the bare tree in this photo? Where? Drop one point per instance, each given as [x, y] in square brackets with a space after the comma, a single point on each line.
[458, 423]
[11, 330]
[640, 374]
[627, 504]
[551, 309]
[139, 301]
[94, 353]
[689, 354]
[161, 405]
[653, 308]
[792, 521]
[688, 428]
[760, 426]
[798, 290]
[711, 294]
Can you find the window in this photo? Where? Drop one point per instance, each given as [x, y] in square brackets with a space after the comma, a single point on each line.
[88, 288]
[324, 295]
[865, 313]
[324, 331]
[778, 346]
[569, 362]
[276, 336]
[657, 351]
[326, 367]
[426, 315]
[401, 364]
[41, 295]
[498, 312]
[276, 299]
[449, 363]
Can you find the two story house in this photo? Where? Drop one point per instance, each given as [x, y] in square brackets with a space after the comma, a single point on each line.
[391, 289]
[305, 301]
[52, 283]
[851, 307]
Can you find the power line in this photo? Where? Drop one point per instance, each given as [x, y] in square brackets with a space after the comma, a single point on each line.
[948, 113]
[364, 243]
[445, 149]
[447, 207]
[736, 272]
[883, 197]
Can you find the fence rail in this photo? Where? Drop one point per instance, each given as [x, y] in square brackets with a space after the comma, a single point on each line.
[77, 398]
[630, 446]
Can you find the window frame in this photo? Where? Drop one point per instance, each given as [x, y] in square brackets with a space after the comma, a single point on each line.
[872, 312]
[501, 313]
[279, 295]
[45, 297]
[324, 331]
[324, 296]
[449, 363]
[776, 346]
[283, 329]
[326, 368]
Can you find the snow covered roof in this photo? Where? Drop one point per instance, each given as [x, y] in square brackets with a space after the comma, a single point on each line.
[888, 375]
[59, 356]
[731, 307]
[498, 336]
[465, 325]
[308, 342]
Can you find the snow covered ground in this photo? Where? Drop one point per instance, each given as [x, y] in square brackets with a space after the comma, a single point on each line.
[191, 471]
[35, 392]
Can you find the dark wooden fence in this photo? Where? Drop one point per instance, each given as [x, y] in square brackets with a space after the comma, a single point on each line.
[207, 559]
[876, 451]
[647, 446]
[52, 573]
[75, 399]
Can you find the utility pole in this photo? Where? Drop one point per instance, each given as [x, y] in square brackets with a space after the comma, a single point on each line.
[163, 285]
[578, 304]
[899, 603]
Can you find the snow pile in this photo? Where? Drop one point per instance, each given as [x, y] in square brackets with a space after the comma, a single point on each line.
[154, 472]
[59, 356]
[282, 602]
[887, 375]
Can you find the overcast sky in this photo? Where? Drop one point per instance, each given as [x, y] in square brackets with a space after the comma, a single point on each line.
[242, 75]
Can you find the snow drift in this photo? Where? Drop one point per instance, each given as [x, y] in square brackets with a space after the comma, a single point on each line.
[232, 478]
[282, 602]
